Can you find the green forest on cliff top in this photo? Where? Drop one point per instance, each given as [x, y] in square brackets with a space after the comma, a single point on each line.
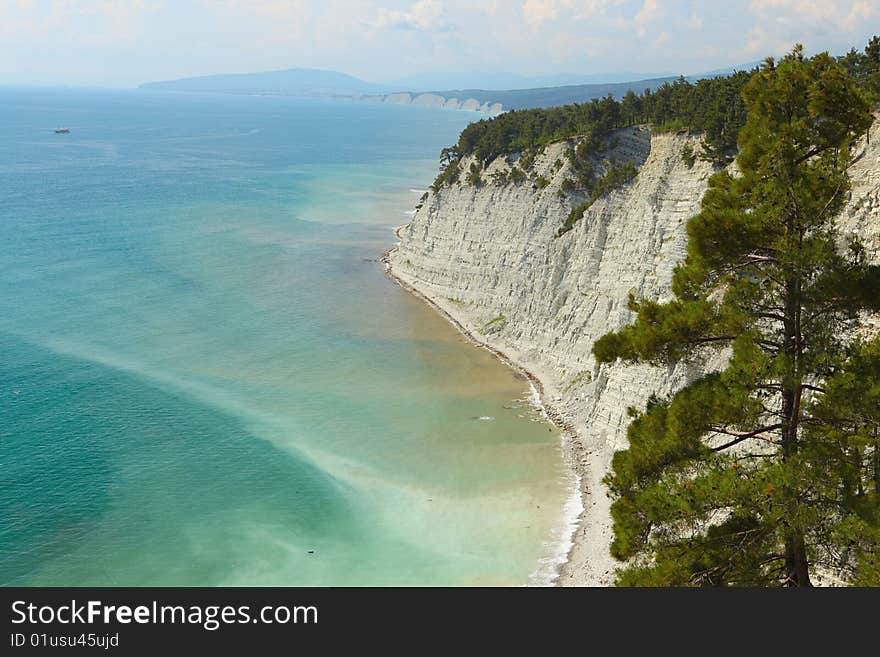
[711, 106]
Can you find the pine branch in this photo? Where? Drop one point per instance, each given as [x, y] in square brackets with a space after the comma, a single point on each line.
[741, 437]
[773, 316]
[718, 338]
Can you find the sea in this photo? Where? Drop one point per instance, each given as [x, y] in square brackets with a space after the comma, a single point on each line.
[206, 377]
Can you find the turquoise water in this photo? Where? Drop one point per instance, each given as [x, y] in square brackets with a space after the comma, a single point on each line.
[206, 378]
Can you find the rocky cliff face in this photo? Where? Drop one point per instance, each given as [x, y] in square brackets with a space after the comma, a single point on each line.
[490, 258]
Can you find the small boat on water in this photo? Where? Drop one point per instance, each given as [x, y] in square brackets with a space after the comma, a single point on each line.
[62, 131]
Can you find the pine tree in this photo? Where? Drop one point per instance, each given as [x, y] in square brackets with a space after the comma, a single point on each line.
[757, 474]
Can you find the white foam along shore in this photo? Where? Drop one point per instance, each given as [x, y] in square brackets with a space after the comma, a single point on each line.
[561, 541]
[559, 544]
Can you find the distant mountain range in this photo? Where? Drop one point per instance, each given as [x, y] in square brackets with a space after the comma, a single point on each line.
[510, 91]
[295, 81]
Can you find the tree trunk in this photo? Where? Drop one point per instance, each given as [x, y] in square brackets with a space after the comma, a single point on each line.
[797, 568]
[876, 466]
[796, 563]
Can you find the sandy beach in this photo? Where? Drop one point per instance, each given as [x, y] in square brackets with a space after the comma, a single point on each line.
[585, 524]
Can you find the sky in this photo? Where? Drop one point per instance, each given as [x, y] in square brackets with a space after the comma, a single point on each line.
[123, 43]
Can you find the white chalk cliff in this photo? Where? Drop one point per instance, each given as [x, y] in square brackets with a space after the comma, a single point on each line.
[490, 258]
[435, 100]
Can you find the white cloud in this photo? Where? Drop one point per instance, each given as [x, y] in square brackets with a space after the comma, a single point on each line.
[424, 16]
[819, 24]
[537, 12]
[273, 20]
[647, 17]
[269, 8]
[814, 14]
[661, 39]
[83, 21]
